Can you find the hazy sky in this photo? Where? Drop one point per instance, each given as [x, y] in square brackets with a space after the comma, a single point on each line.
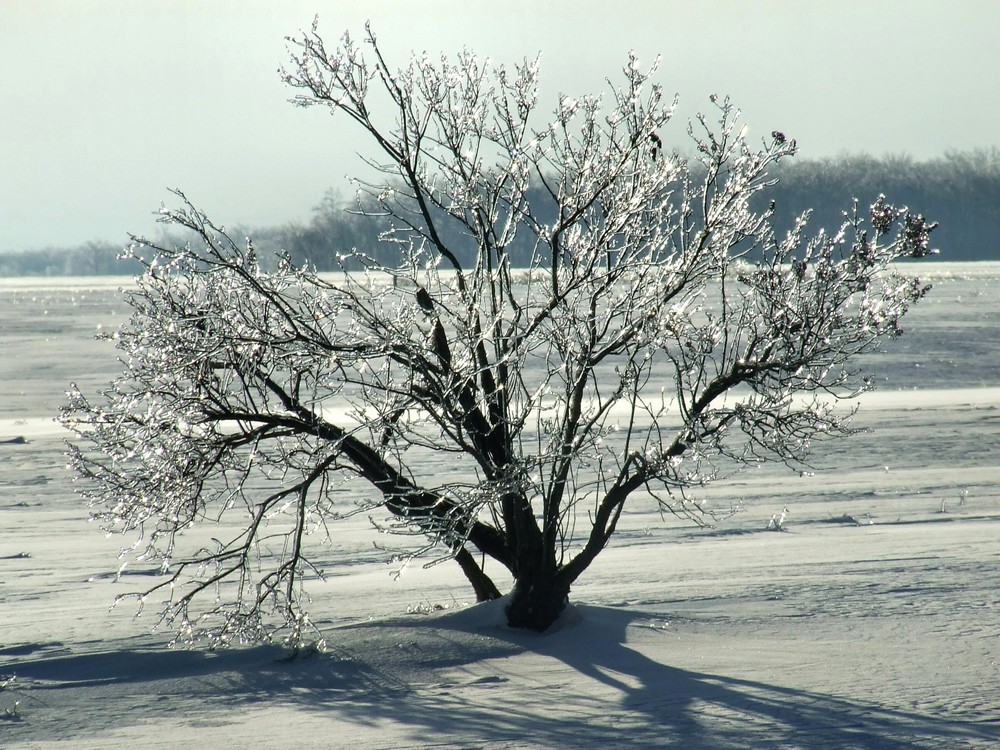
[105, 104]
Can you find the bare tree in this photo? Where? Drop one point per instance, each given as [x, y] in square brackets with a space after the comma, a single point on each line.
[661, 335]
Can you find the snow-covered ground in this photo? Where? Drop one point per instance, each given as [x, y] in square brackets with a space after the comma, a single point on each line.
[873, 621]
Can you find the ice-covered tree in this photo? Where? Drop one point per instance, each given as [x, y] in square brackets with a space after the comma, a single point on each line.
[660, 335]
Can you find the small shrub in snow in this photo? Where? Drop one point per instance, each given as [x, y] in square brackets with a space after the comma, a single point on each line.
[777, 521]
[9, 707]
[661, 334]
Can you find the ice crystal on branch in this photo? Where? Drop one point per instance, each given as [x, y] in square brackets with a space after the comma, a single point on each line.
[916, 236]
[657, 334]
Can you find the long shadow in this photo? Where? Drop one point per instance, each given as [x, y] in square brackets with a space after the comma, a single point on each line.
[688, 709]
[404, 671]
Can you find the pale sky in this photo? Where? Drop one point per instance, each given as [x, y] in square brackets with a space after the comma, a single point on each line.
[105, 104]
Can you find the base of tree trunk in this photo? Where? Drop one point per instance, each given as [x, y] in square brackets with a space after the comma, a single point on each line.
[536, 606]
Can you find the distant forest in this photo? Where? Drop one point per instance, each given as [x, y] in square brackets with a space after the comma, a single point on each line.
[961, 191]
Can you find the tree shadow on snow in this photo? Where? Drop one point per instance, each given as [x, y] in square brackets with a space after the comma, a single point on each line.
[458, 680]
[655, 705]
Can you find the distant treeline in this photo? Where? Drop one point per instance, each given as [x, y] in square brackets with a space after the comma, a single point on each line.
[960, 190]
[90, 259]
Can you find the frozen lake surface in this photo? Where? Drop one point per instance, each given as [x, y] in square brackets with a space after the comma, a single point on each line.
[874, 622]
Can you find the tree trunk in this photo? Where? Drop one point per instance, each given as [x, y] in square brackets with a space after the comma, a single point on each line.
[482, 584]
[537, 604]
